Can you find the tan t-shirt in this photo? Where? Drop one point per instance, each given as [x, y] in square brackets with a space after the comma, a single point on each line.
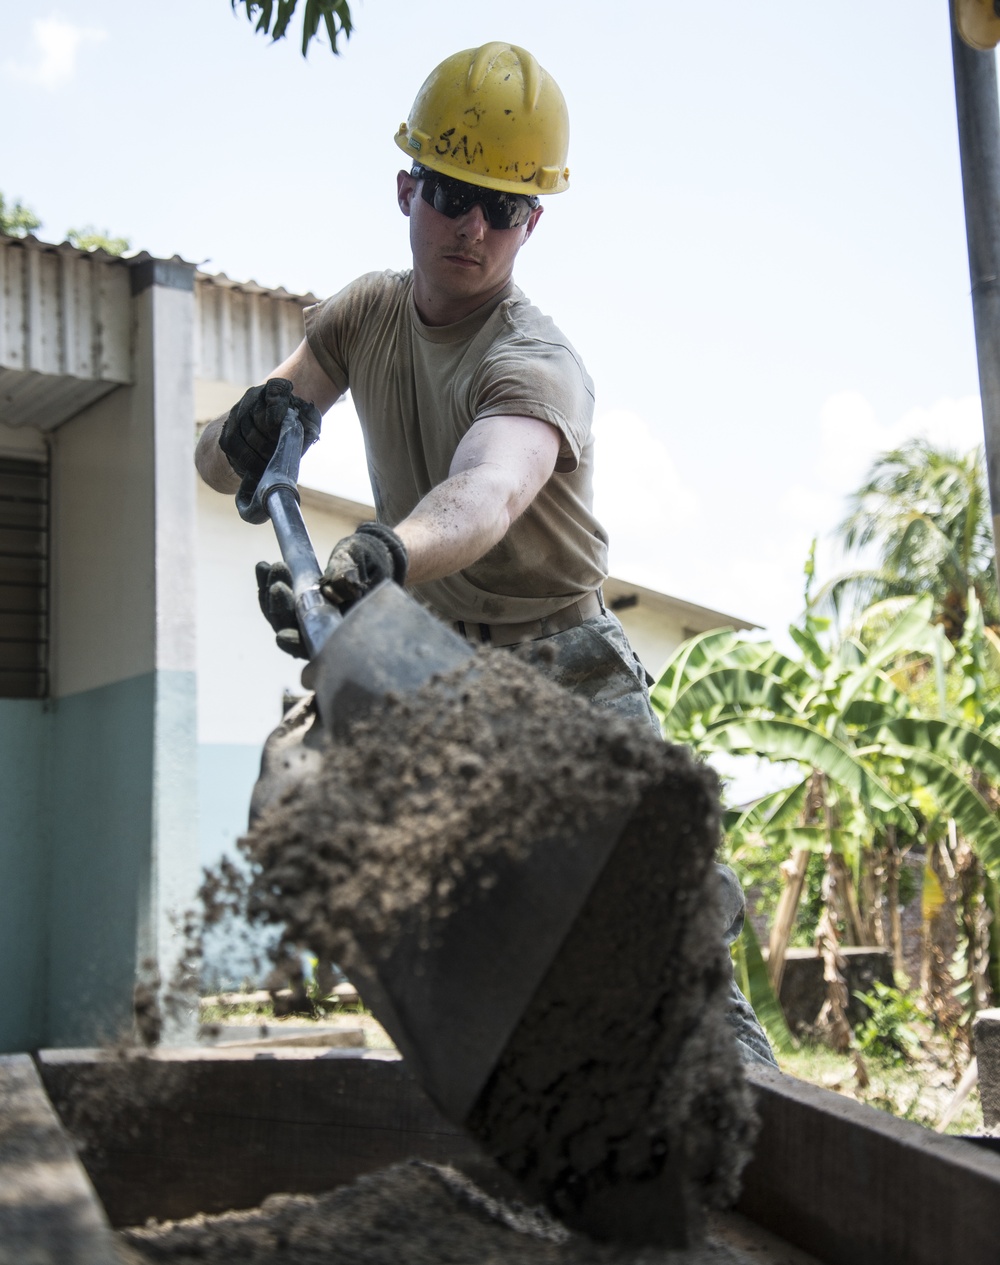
[418, 388]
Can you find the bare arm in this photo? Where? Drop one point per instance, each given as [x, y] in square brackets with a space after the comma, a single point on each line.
[498, 469]
[309, 382]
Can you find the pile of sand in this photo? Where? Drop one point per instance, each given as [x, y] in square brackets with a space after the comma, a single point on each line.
[410, 1214]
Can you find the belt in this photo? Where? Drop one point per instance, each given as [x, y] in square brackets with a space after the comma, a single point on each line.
[588, 607]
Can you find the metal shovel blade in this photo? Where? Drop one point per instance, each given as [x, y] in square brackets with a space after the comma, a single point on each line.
[451, 1007]
[387, 643]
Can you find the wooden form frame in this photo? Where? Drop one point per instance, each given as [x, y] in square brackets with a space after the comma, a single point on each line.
[856, 1186]
[224, 1128]
[49, 1212]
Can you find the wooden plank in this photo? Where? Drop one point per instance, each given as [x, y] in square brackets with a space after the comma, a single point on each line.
[856, 1186]
[224, 1036]
[752, 1244]
[205, 1130]
[49, 1213]
[189, 1131]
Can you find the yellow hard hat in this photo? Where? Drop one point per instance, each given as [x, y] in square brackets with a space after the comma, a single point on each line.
[978, 23]
[494, 117]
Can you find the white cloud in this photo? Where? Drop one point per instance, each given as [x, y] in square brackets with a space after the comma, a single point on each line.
[954, 424]
[810, 508]
[639, 496]
[852, 435]
[57, 44]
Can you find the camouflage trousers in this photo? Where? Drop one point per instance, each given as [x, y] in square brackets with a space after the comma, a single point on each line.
[595, 661]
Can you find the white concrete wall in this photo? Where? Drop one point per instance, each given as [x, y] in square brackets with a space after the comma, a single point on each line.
[242, 675]
[103, 551]
[114, 759]
[22, 441]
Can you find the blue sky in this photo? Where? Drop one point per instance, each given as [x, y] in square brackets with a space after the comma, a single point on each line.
[761, 256]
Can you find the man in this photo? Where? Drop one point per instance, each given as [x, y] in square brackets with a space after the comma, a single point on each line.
[476, 409]
[471, 400]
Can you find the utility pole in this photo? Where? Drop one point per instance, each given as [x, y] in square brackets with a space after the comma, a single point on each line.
[979, 147]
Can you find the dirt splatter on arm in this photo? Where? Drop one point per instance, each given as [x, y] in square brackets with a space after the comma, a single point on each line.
[498, 469]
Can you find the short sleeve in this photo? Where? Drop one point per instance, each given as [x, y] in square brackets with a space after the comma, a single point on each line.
[332, 326]
[528, 376]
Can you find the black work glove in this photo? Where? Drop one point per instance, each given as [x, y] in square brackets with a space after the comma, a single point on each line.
[277, 602]
[373, 554]
[250, 433]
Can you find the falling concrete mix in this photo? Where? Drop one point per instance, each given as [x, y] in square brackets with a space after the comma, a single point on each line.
[410, 1214]
[618, 1100]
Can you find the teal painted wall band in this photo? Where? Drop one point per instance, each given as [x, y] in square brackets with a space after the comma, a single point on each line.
[226, 776]
[99, 799]
[100, 847]
[25, 730]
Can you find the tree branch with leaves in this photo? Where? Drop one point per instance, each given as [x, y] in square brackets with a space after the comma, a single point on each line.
[17, 220]
[272, 17]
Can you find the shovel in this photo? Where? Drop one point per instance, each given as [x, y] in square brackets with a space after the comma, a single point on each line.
[454, 1008]
[388, 643]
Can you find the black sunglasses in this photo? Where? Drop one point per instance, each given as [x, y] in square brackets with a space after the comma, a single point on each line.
[455, 197]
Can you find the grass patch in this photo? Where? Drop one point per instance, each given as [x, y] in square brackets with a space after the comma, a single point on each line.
[919, 1089]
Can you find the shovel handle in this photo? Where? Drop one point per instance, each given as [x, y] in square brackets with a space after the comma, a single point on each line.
[276, 497]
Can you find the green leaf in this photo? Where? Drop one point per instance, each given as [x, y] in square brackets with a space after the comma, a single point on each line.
[335, 15]
[991, 718]
[946, 739]
[310, 24]
[866, 713]
[755, 984]
[285, 10]
[330, 22]
[810, 838]
[722, 687]
[783, 739]
[690, 656]
[911, 634]
[777, 808]
[956, 798]
[810, 647]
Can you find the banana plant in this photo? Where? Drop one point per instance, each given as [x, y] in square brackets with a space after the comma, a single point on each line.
[838, 717]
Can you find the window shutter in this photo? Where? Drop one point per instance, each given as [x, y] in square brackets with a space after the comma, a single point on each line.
[24, 552]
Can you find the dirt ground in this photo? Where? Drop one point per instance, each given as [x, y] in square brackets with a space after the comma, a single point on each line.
[410, 1214]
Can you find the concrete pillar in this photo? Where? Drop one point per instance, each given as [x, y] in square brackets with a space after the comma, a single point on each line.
[122, 817]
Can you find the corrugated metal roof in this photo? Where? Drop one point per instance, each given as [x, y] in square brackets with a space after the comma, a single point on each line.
[66, 319]
[242, 329]
[252, 287]
[65, 330]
